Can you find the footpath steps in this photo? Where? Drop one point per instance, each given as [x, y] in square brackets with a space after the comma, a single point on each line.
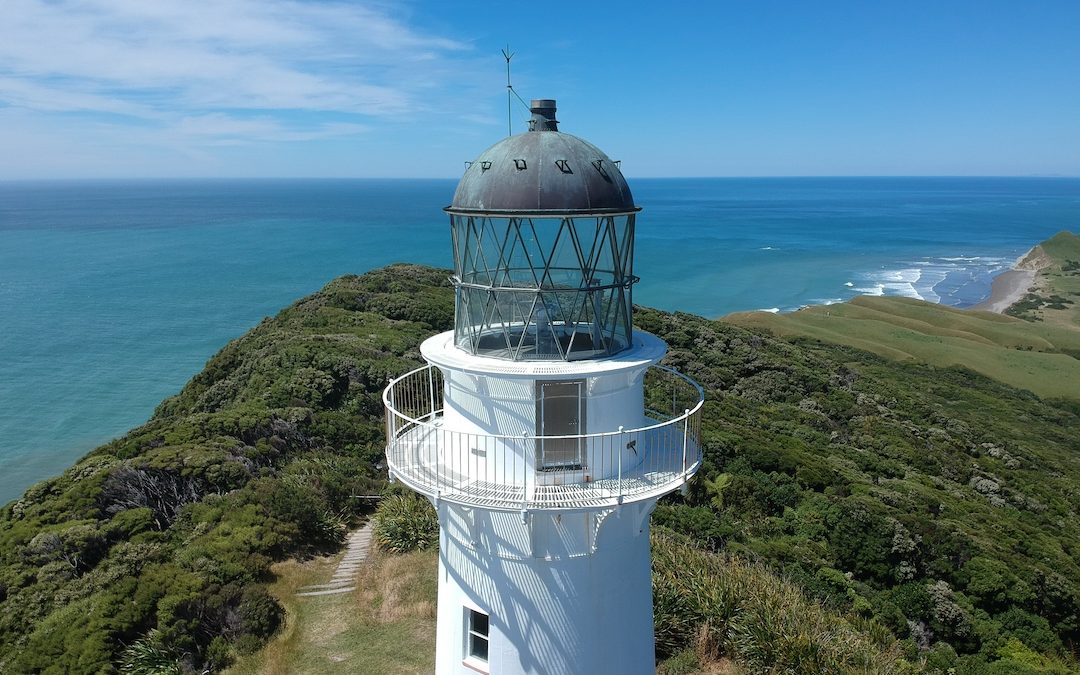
[344, 577]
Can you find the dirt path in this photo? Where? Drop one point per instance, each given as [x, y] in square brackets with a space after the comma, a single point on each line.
[344, 577]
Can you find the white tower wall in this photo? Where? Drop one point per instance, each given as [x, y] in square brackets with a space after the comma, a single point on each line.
[573, 588]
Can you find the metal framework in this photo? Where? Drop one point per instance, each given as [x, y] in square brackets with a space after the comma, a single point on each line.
[533, 288]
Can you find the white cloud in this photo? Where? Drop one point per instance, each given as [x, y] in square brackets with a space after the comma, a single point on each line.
[225, 127]
[29, 94]
[167, 73]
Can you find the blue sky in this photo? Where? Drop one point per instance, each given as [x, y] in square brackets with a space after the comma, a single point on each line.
[140, 88]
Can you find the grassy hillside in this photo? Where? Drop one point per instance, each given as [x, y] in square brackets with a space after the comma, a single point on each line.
[931, 501]
[935, 500]
[1055, 299]
[750, 613]
[386, 626]
[156, 548]
[1040, 354]
[1039, 358]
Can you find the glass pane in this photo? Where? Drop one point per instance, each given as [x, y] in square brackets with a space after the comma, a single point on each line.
[543, 288]
[479, 622]
[478, 647]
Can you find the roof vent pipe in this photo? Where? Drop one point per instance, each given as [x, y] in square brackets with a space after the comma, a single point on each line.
[543, 115]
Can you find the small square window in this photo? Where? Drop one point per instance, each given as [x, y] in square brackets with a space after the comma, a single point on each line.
[478, 628]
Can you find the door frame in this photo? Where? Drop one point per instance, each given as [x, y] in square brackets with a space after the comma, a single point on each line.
[577, 460]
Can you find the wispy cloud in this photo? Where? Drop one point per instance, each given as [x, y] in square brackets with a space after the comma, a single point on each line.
[227, 71]
[224, 127]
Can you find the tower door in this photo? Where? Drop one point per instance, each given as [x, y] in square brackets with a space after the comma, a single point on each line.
[560, 411]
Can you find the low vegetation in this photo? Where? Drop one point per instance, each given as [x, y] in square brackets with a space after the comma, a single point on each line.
[925, 514]
[386, 626]
[934, 501]
[1053, 301]
[714, 605]
[405, 521]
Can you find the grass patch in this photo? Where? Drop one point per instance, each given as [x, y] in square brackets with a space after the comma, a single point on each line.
[386, 626]
[1055, 302]
[1036, 348]
[1036, 357]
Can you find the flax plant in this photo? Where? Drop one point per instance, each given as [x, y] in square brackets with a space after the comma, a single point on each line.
[723, 606]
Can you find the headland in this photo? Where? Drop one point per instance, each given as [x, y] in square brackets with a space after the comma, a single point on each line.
[1028, 336]
[1011, 286]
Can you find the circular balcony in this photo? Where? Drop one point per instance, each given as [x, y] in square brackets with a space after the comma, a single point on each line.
[496, 471]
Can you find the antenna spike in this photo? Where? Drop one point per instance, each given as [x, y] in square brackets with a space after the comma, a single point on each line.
[507, 54]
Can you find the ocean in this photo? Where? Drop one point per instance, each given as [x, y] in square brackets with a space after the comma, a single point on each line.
[114, 293]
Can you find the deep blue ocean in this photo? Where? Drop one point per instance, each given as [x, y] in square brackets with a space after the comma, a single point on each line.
[113, 294]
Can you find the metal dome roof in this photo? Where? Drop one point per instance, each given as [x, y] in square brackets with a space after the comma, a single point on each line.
[542, 171]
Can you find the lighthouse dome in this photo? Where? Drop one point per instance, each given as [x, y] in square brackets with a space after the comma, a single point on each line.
[543, 172]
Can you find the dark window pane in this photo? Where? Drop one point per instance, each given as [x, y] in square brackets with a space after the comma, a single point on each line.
[479, 623]
[479, 648]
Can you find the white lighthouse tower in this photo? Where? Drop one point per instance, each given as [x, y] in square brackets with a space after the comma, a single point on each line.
[542, 428]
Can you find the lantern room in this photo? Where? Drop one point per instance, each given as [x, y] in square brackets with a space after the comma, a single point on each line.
[542, 226]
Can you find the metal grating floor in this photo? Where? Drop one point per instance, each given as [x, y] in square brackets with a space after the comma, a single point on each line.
[414, 459]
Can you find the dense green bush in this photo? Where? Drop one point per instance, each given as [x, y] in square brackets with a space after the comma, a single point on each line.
[724, 606]
[152, 553]
[406, 522]
[935, 501]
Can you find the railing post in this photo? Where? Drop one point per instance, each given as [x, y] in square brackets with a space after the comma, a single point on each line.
[431, 390]
[528, 478]
[685, 435]
[619, 449]
[393, 406]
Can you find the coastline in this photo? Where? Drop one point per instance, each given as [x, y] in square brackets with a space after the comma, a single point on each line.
[1011, 286]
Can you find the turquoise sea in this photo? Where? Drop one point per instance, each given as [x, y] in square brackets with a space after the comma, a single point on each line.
[113, 294]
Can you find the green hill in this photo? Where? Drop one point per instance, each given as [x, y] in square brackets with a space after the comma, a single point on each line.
[893, 502]
[1039, 358]
[1056, 296]
[1042, 356]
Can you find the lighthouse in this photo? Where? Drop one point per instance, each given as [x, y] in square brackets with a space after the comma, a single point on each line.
[542, 427]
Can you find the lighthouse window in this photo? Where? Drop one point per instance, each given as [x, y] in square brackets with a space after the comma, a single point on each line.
[478, 627]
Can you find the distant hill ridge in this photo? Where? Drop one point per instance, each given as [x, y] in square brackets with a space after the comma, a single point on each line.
[1040, 354]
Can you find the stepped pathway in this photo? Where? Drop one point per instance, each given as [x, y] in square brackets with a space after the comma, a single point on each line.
[344, 577]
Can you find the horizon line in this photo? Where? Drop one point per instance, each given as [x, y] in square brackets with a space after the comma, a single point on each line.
[147, 179]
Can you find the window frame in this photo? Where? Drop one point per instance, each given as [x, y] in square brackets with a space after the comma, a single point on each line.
[474, 636]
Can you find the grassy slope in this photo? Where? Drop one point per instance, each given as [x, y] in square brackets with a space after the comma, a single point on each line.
[869, 480]
[386, 626]
[1037, 356]
[1061, 278]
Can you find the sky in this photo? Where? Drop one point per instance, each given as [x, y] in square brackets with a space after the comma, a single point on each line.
[310, 88]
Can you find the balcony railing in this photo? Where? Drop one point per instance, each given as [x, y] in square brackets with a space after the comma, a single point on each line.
[502, 471]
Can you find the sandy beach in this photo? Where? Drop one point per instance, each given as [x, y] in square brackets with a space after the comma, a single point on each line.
[1009, 287]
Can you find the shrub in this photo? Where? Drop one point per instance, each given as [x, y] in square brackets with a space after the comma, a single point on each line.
[146, 656]
[406, 522]
[722, 605]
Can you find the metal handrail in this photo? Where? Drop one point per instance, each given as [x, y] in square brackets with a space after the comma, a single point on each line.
[499, 470]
